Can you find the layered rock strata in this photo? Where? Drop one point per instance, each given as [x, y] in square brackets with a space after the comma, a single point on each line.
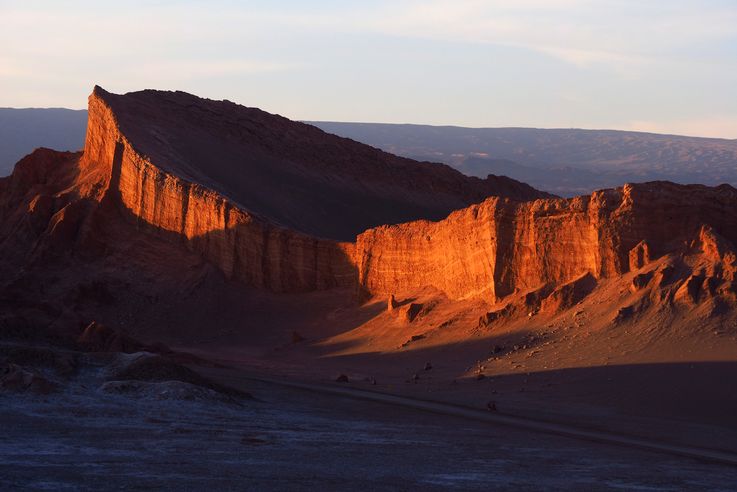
[241, 244]
[500, 246]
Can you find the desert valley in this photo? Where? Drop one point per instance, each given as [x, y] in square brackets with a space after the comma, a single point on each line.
[203, 268]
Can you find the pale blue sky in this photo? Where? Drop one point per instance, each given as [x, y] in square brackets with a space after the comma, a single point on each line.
[661, 65]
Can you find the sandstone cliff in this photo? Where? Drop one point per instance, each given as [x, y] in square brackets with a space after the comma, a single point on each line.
[220, 178]
[241, 244]
[500, 247]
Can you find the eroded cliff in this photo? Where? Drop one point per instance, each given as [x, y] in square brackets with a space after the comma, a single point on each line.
[500, 246]
[241, 244]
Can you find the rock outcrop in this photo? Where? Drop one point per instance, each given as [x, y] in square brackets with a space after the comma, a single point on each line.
[500, 247]
[244, 246]
[14, 378]
[219, 178]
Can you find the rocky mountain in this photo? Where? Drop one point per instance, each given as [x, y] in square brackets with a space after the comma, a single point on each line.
[566, 162]
[237, 185]
[501, 247]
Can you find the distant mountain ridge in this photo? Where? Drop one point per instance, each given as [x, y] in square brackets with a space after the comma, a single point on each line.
[562, 161]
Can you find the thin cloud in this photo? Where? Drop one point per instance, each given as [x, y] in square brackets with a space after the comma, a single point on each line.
[622, 35]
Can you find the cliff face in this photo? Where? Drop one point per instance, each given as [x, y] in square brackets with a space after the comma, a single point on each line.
[225, 180]
[242, 245]
[499, 246]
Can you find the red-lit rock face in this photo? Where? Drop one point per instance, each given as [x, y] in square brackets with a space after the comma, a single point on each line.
[500, 246]
[242, 245]
[180, 196]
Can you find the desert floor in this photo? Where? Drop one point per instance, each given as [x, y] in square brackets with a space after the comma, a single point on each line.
[291, 439]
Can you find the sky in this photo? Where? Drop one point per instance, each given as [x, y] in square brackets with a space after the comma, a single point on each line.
[666, 66]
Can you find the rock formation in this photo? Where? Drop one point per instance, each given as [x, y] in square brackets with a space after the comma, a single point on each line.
[220, 178]
[236, 186]
[500, 246]
[243, 245]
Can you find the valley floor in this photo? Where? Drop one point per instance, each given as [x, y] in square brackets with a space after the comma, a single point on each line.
[291, 439]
